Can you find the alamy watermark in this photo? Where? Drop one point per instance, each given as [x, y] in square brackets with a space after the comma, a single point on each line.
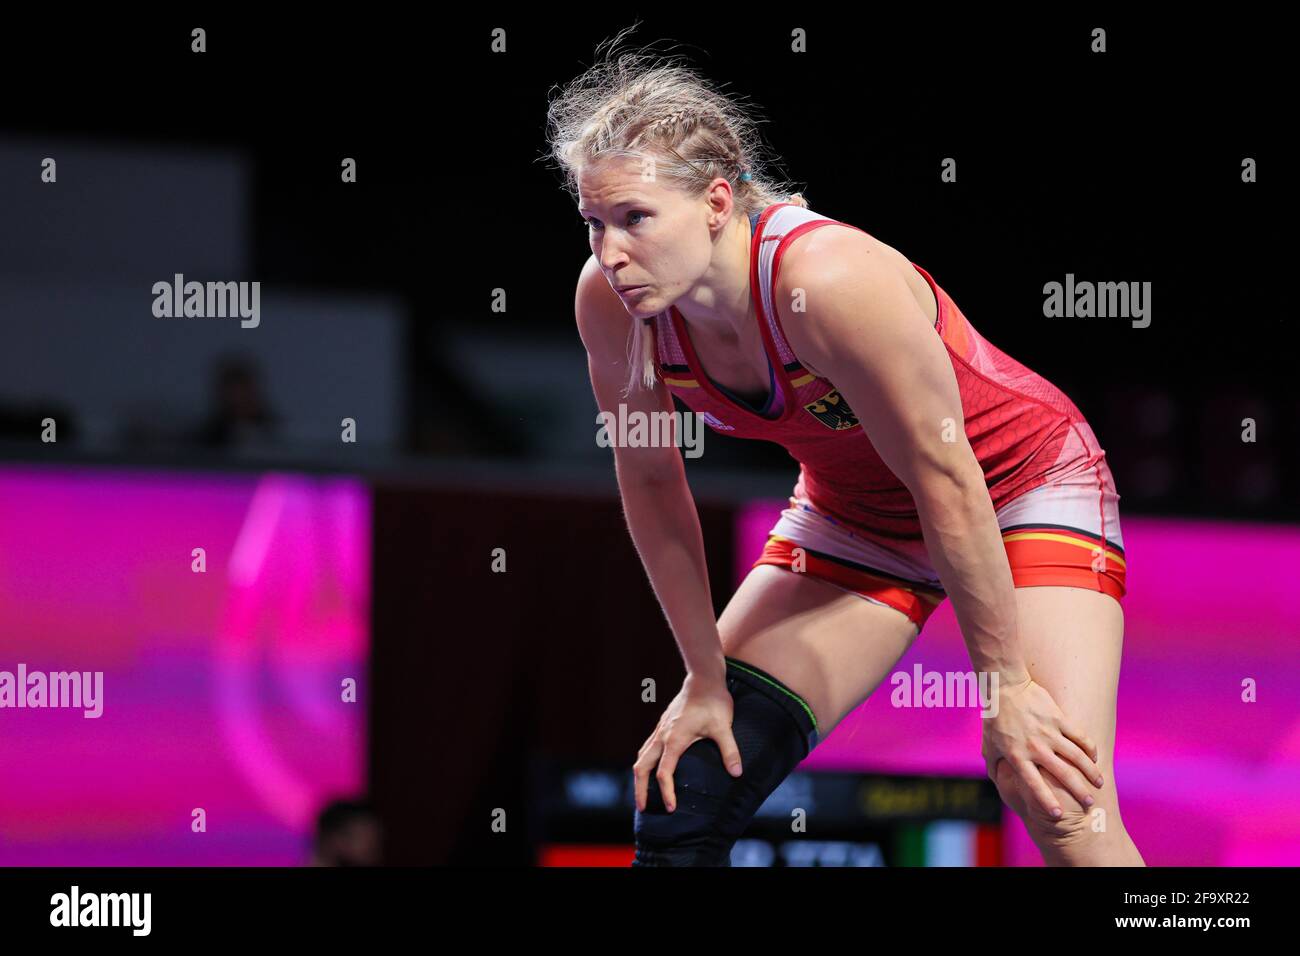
[639, 429]
[923, 688]
[37, 689]
[1086, 300]
[181, 299]
[130, 910]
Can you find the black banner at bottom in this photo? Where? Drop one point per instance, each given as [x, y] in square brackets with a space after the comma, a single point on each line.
[603, 907]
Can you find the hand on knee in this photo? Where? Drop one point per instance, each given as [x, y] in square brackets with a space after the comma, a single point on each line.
[773, 732]
[1072, 828]
[1008, 783]
[1075, 826]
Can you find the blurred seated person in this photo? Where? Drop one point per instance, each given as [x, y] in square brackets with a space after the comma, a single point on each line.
[347, 834]
[240, 417]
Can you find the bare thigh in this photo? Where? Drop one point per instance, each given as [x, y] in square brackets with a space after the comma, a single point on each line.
[829, 646]
[1073, 639]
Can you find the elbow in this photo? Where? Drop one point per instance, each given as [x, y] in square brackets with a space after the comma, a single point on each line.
[949, 486]
[641, 468]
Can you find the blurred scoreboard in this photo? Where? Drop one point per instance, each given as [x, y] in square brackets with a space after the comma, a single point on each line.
[583, 816]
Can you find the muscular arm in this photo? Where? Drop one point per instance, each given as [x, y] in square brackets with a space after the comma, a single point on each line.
[864, 330]
[661, 514]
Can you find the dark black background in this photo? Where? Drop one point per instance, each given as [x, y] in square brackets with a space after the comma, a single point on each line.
[1123, 166]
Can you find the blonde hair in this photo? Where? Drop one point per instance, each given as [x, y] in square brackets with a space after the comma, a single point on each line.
[639, 104]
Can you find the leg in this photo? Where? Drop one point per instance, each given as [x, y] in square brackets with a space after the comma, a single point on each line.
[830, 648]
[1072, 640]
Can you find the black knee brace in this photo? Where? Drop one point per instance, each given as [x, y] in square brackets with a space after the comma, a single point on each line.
[774, 730]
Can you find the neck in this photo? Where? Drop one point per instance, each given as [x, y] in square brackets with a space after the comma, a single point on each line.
[720, 304]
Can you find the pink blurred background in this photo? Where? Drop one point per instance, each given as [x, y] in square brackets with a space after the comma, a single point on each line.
[222, 690]
[1205, 778]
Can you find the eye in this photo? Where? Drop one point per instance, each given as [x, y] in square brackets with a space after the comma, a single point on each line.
[595, 223]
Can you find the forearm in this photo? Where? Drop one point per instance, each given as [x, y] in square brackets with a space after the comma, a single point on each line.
[965, 545]
[665, 528]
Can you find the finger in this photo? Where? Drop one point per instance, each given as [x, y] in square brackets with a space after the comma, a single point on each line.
[641, 769]
[1070, 779]
[652, 739]
[1076, 734]
[639, 785]
[667, 764]
[990, 756]
[1068, 749]
[991, 765]
[726, 742]
[1028, 771]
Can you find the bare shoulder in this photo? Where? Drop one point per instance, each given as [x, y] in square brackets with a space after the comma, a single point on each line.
[601, 316]
[593, 289]
[827, 254]
[828, 271]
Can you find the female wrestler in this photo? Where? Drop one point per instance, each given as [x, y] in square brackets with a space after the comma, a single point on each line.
[932, 464]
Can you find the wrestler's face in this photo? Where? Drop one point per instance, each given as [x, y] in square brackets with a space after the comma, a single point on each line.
[643, 233]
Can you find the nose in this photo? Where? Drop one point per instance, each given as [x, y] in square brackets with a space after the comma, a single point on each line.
[611, 256]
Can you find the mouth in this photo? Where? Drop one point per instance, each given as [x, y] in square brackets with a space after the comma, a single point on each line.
[628, 289]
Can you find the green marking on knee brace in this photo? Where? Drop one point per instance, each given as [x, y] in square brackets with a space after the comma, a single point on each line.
[782, 689]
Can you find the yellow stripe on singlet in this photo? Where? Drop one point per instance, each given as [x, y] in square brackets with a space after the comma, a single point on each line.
[1047, 536]
[682, 382]
[803, 380]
